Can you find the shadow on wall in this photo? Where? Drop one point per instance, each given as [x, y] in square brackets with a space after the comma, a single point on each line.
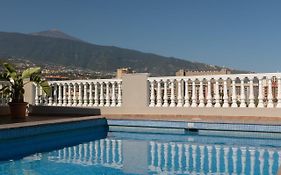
[62, 111]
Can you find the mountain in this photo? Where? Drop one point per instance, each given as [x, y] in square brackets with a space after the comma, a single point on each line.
[62, 50]
[55, 33]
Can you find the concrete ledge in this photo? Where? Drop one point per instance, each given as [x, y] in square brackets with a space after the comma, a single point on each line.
[62, 111]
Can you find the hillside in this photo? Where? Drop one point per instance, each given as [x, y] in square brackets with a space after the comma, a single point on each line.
[71, 52]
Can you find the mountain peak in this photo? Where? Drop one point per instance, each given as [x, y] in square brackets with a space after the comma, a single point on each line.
[55, 33]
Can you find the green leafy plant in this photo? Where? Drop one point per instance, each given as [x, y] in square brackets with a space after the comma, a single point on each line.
[17, 81]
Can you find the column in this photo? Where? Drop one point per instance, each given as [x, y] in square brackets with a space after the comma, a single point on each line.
[113, 97]
[180, 102]
[186, 95]
[165, 98]
[159, 97]
[217, 94]
[74, 94]
[201, 95]
[152, 95]
[80, 95]
[173, 104]
[91, 100]
[270, 97]
[101, 95]
[64, 94]
[209, 95]
[242, 94]
[69, 95]
[261, 95]
[119, 98]
[234, 96]
[85, 99]
[194, 97]
[279, 92]
[96, 97]
[251, 96]
[107, 98]
[225, 94]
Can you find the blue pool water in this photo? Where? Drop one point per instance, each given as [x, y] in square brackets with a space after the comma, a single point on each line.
[94, 151]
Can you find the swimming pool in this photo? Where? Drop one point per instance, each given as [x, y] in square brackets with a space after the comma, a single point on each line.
[97, 151]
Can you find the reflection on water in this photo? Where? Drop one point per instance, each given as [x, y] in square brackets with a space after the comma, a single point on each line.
[115, 155]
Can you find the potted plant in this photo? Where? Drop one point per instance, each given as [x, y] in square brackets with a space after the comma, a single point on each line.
[15, 89]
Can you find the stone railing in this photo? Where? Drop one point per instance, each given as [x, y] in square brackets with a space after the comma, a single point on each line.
[233, 90]
[88, 93]
[4, 98]
[181, 158]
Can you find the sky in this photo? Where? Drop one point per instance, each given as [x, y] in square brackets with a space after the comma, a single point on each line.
[241, 34]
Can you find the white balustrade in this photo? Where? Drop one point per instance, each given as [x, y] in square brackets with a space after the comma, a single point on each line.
[220, 91]
[82, 93]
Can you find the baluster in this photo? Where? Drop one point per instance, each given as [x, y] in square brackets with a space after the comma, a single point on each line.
[119, 98]
[217, 158]
[91, 99]
[173, 104]
[165, 94]
[243, 159]
[226, 163]
[217, 94]
[201, 94]
[80, 96]
[251, 96]
[194, 97]
[101, 94]
[159, 97]
[186, 148]
[279, 93]
[96, 98]
[179, 94]
[261, 95]
[69, 95]
[270, 97]
[64, 94]
[242, 95]
[209, 150]
[50, 97]
[234, 150]
[74, 94]
[107, 98]
[234, 96]
[252, 159]
[186, 95]
[113, 98]
[85, 98]
[36, 94]
[55, 94]
[225, 94]
[152, 96]
[261, 159]
[60, 94]
[209, 95]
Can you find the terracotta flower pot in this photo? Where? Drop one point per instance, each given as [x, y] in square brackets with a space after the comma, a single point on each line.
[18, 110]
